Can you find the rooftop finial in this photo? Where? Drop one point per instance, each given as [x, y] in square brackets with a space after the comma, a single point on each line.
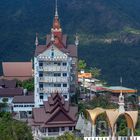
[121, 99]
[76, 40]
[56, 9]
[36, 40]
[121, 80]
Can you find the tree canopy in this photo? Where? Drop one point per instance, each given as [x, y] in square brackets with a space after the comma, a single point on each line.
[11, 129]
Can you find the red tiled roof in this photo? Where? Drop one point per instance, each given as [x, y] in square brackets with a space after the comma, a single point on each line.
[10, 92]
[8, 83]
[24, 99]
[17, 69]
[70, 49]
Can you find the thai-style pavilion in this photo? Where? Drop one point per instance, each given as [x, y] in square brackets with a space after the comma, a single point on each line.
[55, 118]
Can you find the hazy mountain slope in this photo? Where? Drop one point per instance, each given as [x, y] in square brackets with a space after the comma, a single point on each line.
[20, 20]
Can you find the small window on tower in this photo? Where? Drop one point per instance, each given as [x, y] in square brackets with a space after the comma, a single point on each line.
[52, 54]
[64, 64]
[40, 64]
[65, 74]
[64, 85]
[59, 64]
[40, 85]
[41, 96]
[40, 74]
[57, 85]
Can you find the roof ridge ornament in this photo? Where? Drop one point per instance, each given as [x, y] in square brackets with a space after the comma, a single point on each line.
[36, 40]
[76, 40]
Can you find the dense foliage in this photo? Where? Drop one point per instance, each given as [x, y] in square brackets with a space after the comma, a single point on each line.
[20, 20]
[115, 60]
[27, 84]
[66, 136]
[13, 130]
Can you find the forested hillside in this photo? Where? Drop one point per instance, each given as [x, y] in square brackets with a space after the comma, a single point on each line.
[110, 29]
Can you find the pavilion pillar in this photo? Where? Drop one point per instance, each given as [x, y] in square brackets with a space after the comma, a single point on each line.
[109, 132]
[113, 136]
[46, 130]
[93, 130]
[128, 132]
[114, 133]
[132, 134]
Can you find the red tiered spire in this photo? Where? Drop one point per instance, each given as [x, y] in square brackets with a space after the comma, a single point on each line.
[56, 30]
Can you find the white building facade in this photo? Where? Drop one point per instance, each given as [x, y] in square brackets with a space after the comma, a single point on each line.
[55, 66]
[52, 74]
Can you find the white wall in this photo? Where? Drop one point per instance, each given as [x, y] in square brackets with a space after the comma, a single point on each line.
[25, 107]
[46, 87]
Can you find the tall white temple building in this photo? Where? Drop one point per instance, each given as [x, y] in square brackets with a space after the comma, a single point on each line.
[55, 65]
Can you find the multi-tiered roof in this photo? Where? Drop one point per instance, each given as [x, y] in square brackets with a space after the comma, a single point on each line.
[55, 112]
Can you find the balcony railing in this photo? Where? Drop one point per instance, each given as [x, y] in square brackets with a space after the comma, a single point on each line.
[56, 68]
[46, 58]
[53, 79]
[53, 90]
[53, 68]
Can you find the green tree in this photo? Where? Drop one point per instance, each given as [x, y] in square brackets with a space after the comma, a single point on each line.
[12, 129]
[95, 72]
[3, 104]
[81, 65]
[68, 136]
[122, 126]
[26, 84]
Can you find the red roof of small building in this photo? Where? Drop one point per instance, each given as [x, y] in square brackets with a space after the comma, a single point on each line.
[17, 70]
[11, 92]
[23, 99]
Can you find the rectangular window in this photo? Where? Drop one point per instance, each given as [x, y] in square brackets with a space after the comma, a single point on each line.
[64, 85]
[41, 96]
[65, 96]
[57, 74]
[65, 74]
[64, 64]
[62, 128]
[40, 85]
[40, 64]
[57, 63]
[40, 74]
[70, 128]
[57, 85]
[52, 54]
[54, 129]
[30, 112]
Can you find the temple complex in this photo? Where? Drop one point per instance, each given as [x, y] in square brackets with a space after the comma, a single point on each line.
[55, 118]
